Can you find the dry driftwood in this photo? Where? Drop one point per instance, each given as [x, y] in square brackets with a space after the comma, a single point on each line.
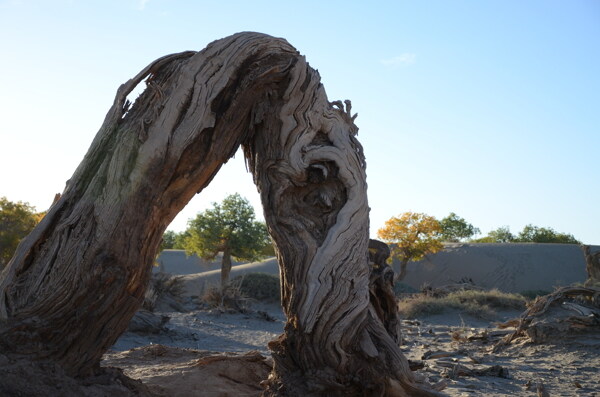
[456, 370]
[567, 312]
[78, 278]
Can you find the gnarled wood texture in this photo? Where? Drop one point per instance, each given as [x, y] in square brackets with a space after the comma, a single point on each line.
[592, 264]
[77, 280]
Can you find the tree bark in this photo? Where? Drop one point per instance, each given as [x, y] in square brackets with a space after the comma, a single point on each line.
[225, 268]
[402, 273]
[381, 289]
[76, 281]
[592, 264]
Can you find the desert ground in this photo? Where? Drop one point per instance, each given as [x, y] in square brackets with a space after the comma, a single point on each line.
[203, 351]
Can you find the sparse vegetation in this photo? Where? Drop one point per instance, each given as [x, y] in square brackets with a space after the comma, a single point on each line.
[455, 229]
[17, 220]
[531, 294]
[259, 286]
[529, 234]
[228, 298]
[228, 227]
[164, 288]
[411, 236]
[242, 290]
[482, 304]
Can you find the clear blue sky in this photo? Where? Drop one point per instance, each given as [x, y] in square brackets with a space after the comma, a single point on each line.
[489, 109]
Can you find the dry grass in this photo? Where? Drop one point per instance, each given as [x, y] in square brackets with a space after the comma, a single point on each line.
[231, 298]
[482, 304]
[163, 287]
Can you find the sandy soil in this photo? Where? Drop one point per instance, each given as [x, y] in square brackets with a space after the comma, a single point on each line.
[189, 357]
[214, 330]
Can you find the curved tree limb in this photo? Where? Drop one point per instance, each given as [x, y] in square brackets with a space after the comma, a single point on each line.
[76, 281]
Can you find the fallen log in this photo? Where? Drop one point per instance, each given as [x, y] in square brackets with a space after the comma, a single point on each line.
[567, 312]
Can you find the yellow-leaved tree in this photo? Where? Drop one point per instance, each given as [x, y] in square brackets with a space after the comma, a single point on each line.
[411, 236]
[17, 219]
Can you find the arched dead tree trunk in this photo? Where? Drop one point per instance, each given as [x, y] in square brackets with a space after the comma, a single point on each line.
[76, 281]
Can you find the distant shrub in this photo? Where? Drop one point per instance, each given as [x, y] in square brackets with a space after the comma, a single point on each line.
[534, 293]
[230, 298]
[480, 304]
[591, 283]
[165, 288]
[259, 286]
[493, 298]
[421, 305]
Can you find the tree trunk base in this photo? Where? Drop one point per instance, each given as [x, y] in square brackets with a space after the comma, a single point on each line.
[19, 376]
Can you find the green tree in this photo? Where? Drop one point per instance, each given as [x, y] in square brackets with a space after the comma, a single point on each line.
[455, 228]
[168, 241]
[411, 236]
[535, 234]
[500, 235]
[173, 240]
[229, 227]
[17, 220]
[180, 240]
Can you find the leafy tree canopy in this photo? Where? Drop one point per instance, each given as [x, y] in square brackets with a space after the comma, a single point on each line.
[455, 228]
[168, 240]
[535, 234]
[173, 240]
[500, 235]
[17, 220]
[229, 227]
[529, 234]
[412, 236]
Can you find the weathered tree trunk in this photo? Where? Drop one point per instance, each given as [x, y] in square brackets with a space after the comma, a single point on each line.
[381, 289]
[592, 264]
[77, 280]
[225, 268]
[402, 273]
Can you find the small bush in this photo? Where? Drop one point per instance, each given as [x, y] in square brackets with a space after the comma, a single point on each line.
[493, 298]
[163, 287]
[420, 305]
[480, 304]
[230, 298]
[259, 286]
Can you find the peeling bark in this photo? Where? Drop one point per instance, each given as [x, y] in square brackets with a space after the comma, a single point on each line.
[225, 268]
[77, 280]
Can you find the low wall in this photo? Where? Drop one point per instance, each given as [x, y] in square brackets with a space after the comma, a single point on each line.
[508, 267]
[178, 263]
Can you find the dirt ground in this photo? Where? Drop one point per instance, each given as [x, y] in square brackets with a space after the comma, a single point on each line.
[171, 371]
[463, 356]
[450, 348]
